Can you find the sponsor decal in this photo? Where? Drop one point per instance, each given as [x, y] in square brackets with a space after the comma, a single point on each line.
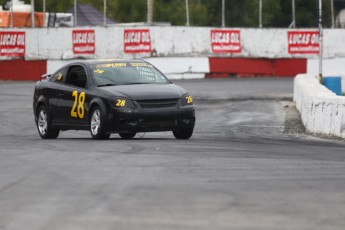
[226, 41]
[137, 41]
[111, 65]
[12, 43]
[83, 41]
[303, 42]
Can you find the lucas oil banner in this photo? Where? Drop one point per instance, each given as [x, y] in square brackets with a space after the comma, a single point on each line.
[137, 41]
[226, 41]
[12, 43]
[83, 41]
[303, 42]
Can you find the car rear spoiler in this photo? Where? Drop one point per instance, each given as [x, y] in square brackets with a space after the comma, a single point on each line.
[45, 76]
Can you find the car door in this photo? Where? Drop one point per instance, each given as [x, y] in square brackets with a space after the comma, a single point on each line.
[74, 101]
[53, 94]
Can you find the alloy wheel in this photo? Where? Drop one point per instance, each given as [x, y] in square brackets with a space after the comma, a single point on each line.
[42, 122]
[95, 122]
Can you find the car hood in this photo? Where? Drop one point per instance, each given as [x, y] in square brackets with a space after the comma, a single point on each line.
[146, 91]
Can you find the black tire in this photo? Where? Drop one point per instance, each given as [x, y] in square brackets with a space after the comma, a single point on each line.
[127, 135]
[97, 124]
[44, 124]
[183, 133]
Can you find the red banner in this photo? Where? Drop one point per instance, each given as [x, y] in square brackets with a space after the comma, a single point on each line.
[303, 42]
[137, 41]
[226, 41]
[83, 41]
[12, 43]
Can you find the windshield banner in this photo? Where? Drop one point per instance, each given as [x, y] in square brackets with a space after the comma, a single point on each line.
[83, 41]
[226, 41]
[303, 42]
[12, 43]
[137, 41]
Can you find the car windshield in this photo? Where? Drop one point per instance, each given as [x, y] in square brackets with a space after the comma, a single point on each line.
[126, 73]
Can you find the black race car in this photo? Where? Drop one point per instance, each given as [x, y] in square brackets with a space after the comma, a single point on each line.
[111, 96]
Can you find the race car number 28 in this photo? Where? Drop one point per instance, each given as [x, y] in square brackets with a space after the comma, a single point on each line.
[78, 105]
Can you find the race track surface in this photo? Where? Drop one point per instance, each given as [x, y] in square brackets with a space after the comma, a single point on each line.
[241, 169]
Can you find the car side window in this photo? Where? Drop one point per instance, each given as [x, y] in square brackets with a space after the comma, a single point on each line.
[76, 76]
[58, 77]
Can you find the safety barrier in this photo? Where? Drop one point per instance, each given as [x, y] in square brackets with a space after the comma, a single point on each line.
[322, 112]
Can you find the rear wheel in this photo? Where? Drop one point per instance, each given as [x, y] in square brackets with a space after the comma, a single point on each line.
[183, 133]
[127, 135]
[97, 125]
[44, 125]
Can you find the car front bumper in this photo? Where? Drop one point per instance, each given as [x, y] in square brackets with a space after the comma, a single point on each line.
[150, 120]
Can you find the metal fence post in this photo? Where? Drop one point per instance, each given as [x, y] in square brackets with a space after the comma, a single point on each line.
[75, 13]
[150, 11]
[320, 40]
[332, 12]
[293, 23]
[11, 23]
[223, 13]
[33, 13]
[187, 13]
[104, 12]
[260, 13]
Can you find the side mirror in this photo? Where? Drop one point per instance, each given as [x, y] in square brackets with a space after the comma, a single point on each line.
[45, 77]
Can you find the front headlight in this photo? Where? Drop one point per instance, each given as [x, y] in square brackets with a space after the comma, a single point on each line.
[186, 100]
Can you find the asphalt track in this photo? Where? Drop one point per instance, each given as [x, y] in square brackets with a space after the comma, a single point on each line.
[242, 169]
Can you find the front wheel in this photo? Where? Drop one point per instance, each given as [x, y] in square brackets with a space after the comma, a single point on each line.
[97, 125]
[44, 125]
[183, 133]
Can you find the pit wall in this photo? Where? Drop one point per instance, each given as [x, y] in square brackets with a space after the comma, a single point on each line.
[322, 111]
[262, 52]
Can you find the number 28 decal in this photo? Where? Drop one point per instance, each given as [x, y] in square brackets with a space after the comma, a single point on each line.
[78, 105]
[120, 103]
[189, 99]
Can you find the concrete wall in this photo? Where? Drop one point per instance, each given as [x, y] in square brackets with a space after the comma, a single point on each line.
[56, 43]
[186, 52]
[321, 110]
